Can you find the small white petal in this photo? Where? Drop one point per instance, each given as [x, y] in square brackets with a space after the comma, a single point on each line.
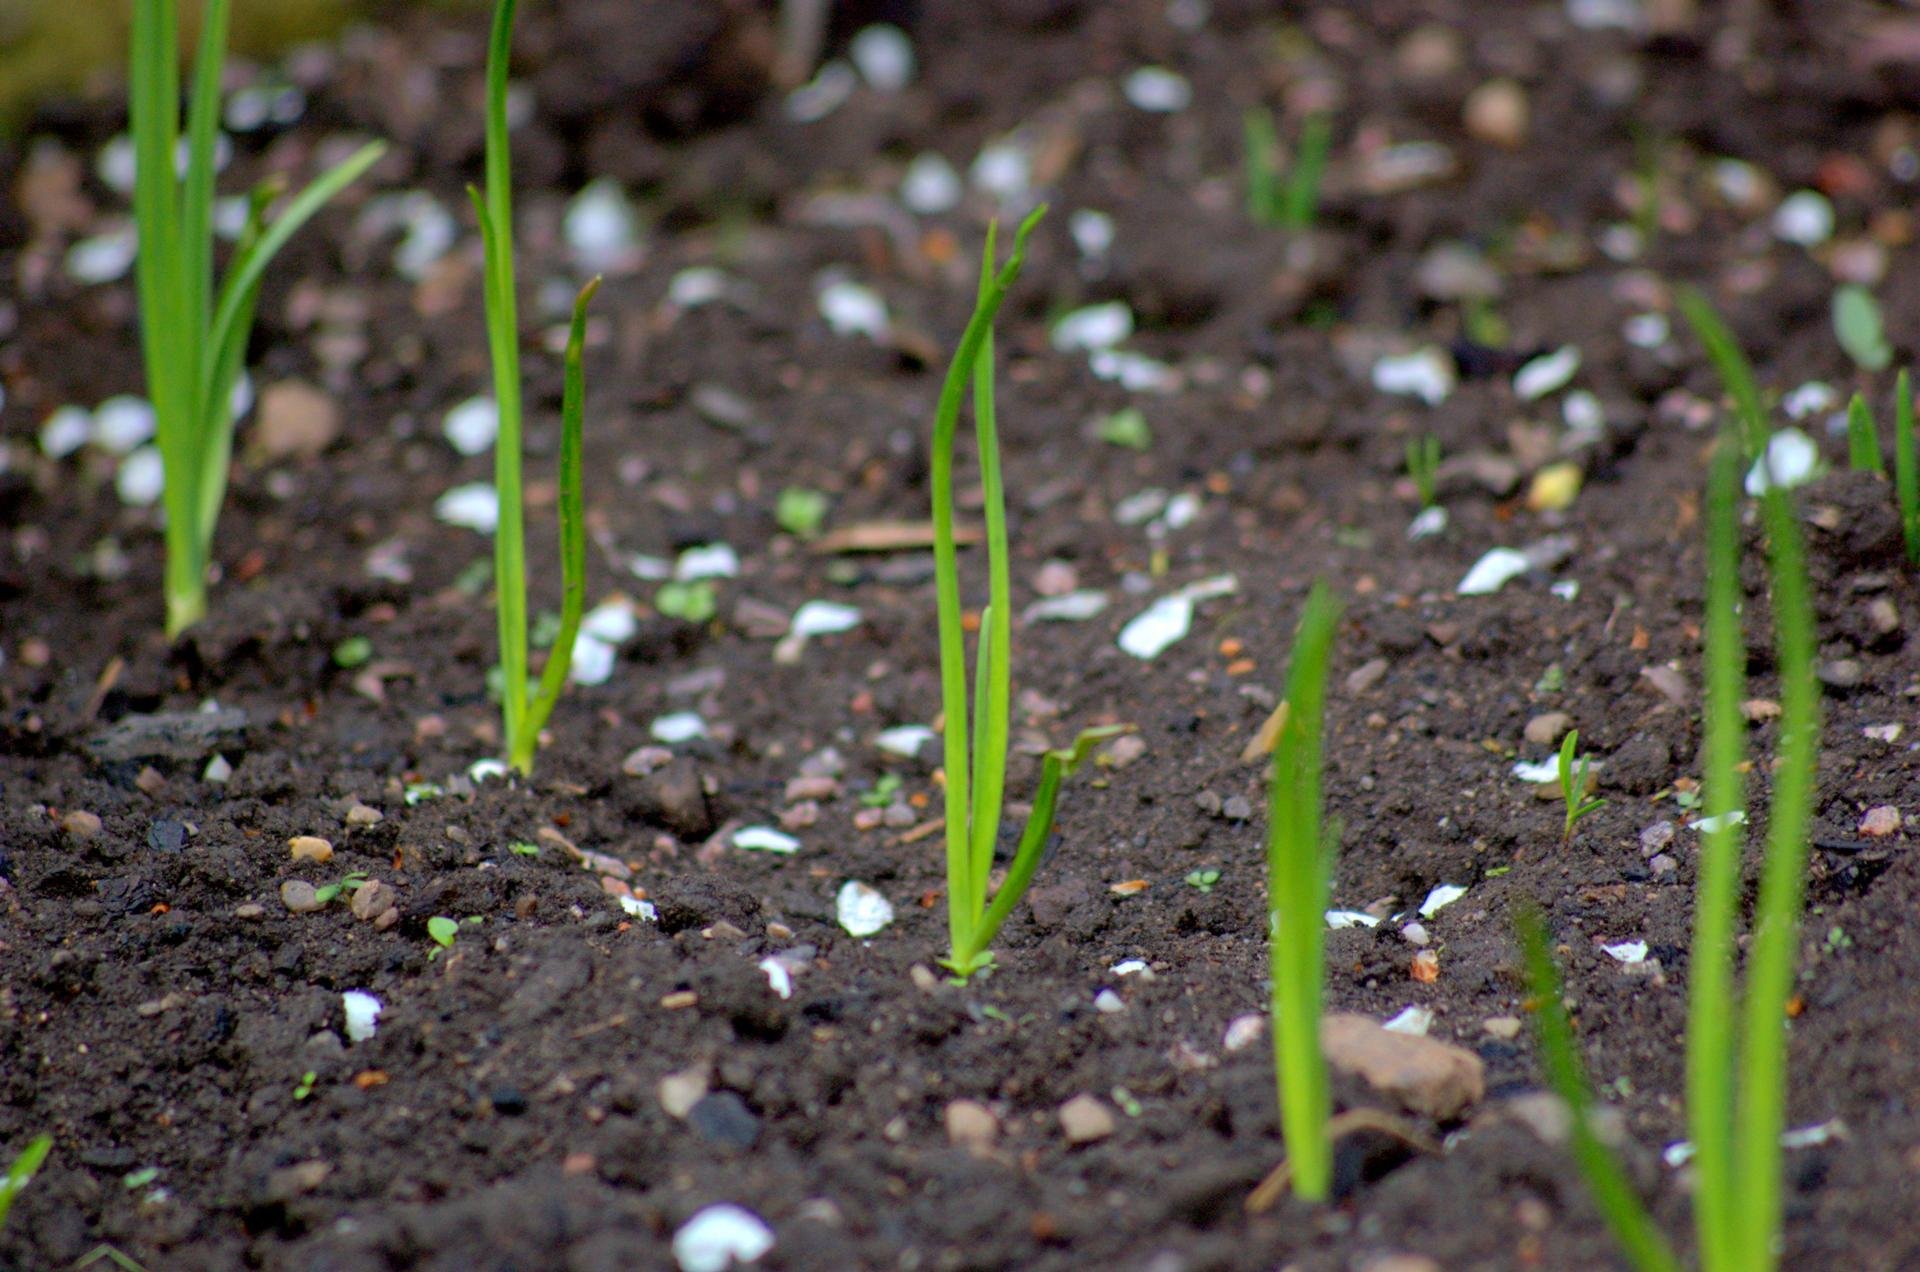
[1093, 327]
[141, 478]
[1128, 967]
[1108, 1003]
[1544, 771]
[678, 726]
[707, 561]
[117, 165]
[1160, 626]
[696, 286]
[1708, 825]
[853, 310]
[779, 978]
[639, 908]
[1004, 170]
[1810, 398]
[612, 622]
[475, 506]
[430, 233]
[861, 910]
[122, 423]
[104, 257]
[884, 57]
[904, 740]
[472, 426]
[1646, 331]
[827, 92]
[1427, 374]
[1804, 217]
[1414, 1021]
[1791, 460]
[1440, 898]
[1350, 918]
[1566, 589]
[1244, 1031]
[765, 839]
[362, 1012]
[1074, 607]
[481, 770]
[719, 1237]
[602, 229]
[1134, 372]
[1430, 522]
[1092, 231]
[1546, 373]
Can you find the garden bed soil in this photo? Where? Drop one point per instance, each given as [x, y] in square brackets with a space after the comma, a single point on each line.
[161, 1009]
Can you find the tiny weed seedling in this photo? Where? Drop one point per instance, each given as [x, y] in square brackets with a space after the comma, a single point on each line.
[304, 1087]
[1293, 202]
[1202, 880]
[328, 893]
[1300, 852]
[1612, 1191]
[194, 336]
[692, 602]
[801, 512]
[26, 1164]
[976, 773]
[441, 930]
[1863, 439]
[525, 709]
[1857, 325]
[883, 791]
[1423, 465]
[1573, 783]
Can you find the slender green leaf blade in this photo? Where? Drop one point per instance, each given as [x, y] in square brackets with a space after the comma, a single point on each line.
[25, 1166]
[1906, 466]
[1857, 325]
[1735, 372]
[1863, 438]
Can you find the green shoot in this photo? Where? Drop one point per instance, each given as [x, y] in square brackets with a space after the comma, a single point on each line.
[525, 713]
[1863, 439]
[1300, 852]
[1857, 325]
[1735, 373]
[1423, 465]
[1293, 203]
[800, 511]
[1573, 783]
[1202, 881]
[1738, 1112]
[25, 1166]
[194, 336]
[442, 930]
[304, 1087]
[976, 773]
[1613, 1192]
[1906, 469]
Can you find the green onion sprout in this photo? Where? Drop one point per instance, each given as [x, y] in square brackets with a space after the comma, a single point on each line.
[1863, 439]
[194, 336]
[1573, 783]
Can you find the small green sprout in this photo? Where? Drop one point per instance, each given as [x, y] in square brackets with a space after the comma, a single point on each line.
[1906, 466]
[693, 602]
[328, 893]
[883, 791]
[521, 848]
[136, 1179]
[1863, 439]
[1300, 850]
[354, 651]
[304, 1087]
[801, 512]
[26, 1164]
[194, 336]
[441, 930]
[417, 793]
[1573, 783]
[1202, 880]
[1292, 203]
[1126, 427]
[975, 755]
[1857, 325]
[1612, 1190]
[1423, 465]
[524, 711]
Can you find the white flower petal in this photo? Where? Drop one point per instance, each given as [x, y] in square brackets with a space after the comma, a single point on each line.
[861, 910]
[1492, 572]
[1413, 1021]
[823, 618]
[1546, 373]
[678, 726]
[1440, 898]
[1163, 624]
[765, 839]
[475, 505]
[1093, 327]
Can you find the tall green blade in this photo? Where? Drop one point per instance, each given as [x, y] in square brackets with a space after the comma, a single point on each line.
[573, 532]
[1906, 469]
[1257, 140]
[1735, 372]
[1301, 199]
[1776, 937]
[196, 194]
[1613, 1192]
[1710, 988]
[993, 673]
[1863, 439]
[1298, 870]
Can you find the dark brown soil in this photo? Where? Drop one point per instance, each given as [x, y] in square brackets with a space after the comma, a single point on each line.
[159, 1005]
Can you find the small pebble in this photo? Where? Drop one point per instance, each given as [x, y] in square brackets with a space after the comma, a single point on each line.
[1662, 865]
[809, 788]
[1656, 837]
[1125, 749]
[1085, 1120]
[1548, 727]
[1502, 1028]
[971, 1125]
[722, 1117]
[1244, 1031]
[1237, 808]
[1497, 112]
[361, 816]
[371, 900]
[679, 1092]
[898, 816]
[310, 848]
[167, 835]
[80, 825]
[299, 896]
[1108, 1003]
[802, 815]
[249, 911]
[1881, 821]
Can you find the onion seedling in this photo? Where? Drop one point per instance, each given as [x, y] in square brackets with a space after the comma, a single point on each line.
[1300, 852]
[1573, 783]
[194, 336]
[25, 1166]
[1906, 468]
[1863, 439]
[1613, 1192]
[1292, 203]
[1736, 1113]
[976, 778]
[1423, 466]
[523, 712]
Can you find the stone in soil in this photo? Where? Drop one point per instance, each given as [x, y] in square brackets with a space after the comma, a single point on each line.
[372, 900]
[299, 896]
[1426, 1076]
[1084, 1120]
[310, 848]
[80, 825]
[722, 1117]
[971, 1125]
[182, 736]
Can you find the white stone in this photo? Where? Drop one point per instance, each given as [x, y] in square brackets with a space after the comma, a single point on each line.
[1547, 373]
[1804, 217]
[930, 186]
[472, 426]
[1134, 372]
[1093, 327]
[719, 1237]
[1414, 1021]
[1350, 918]
[1092, 231]
[904, 740]
[141, 478]
[362, 1012]
[611, 621]
[1791, 460]
[104, 257]
[475, 505]
[593, 660]
[779, 978]
[1708, 825]
[429, 234]
[1003, 169]
[861, 910]
[1244, 1031]
[695, 286]
[639, 908]
[1440, 898]
[823, 618]
[1427, 374]
[1492, 572]
[707, 561]
[122, 423]
[1628, 952]
[1159, 90]
[602, 229]
[1074, 607]
[1542, 772]
[1430, 522]
[853, 310]
[765, 839]
[884, 57]
[1162, 625]
[1646, 331]
[65, 431]
[1108, 1003]
[827, 92]
[678, 726]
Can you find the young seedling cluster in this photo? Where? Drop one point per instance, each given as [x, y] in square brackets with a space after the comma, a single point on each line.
[1300, 854]
[1736, 1044]
[976, 774]
[1575, 772]
[194, 335]
[524, 708]
[1293, 201]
